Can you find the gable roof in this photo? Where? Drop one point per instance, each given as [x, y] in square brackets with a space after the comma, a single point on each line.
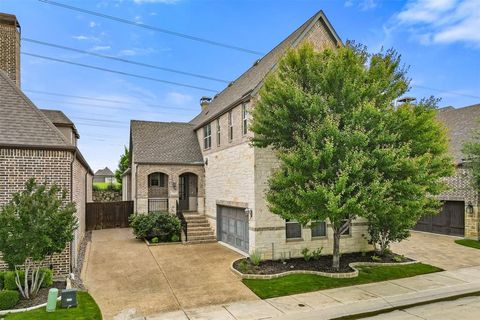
[59, 119]
[461, 124]
[250, 80]
[105, 172]
[164, 142]
[22, 124]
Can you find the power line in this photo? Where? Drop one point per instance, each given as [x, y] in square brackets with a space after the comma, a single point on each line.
[445, 91]
[124, 60]
[149, 27]
[118, 72]
[101, 100]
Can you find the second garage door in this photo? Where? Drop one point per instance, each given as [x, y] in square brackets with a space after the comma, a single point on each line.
[233, 227]
[451, 220]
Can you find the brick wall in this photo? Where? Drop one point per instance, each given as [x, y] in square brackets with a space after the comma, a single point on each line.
[19, 165]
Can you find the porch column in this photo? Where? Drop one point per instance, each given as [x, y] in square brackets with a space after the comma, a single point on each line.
[173, 181]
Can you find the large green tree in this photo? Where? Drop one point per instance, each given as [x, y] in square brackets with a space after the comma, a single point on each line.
[471, 149]
[329, 117]
[37, 223]
[123, 165]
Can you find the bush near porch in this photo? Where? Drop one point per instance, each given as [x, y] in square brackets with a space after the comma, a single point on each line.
[156, 227]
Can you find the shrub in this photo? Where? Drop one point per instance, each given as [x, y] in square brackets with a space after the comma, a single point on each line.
[154, 240]
[376, 259]
[48, 279]
[243, 266]
[2, 275]
[306, 254]
[9, 279]
[255, 257]
[316, 254]
[175, 238]
[397, 258]
[8, 299]
[156, 224]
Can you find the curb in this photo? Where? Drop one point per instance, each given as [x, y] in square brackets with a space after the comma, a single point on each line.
[341, 275]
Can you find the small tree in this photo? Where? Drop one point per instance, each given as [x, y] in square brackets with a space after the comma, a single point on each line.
[471, 149]
[122, 165]
[34, 225]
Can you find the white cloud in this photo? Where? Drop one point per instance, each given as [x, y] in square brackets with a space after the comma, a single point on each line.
[100, 48]
[136, 52]
[156, 1]
[92, 24]
[363, 5]
[85, 38]
[348, 3]
[442, 21]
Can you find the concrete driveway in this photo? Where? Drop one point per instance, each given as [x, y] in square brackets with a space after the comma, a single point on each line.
[438, 250]
[121, 272]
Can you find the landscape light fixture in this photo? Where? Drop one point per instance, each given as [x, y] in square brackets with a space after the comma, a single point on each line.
[470, 208]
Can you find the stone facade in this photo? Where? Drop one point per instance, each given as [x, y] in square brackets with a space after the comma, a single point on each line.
[107, 196]
[461, 189]
[52, 167]
[10, 46]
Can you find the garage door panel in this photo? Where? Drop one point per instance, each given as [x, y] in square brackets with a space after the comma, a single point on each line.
[234, 227]
[450, 221]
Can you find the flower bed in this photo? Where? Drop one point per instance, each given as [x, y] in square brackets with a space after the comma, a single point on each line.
[322, 265]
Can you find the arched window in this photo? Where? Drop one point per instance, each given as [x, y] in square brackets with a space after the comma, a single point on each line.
[157, 179]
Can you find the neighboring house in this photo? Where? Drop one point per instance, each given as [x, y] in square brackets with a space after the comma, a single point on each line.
[40, 144]
[208, 166]
[104, 175]
[459, 215]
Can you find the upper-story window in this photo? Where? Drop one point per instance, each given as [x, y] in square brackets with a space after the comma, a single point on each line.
[230, 126]
[207, 136]
[244, 119]
[218, 132]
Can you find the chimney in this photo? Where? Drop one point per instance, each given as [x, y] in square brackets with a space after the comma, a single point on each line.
[10, 46]
[205, 101]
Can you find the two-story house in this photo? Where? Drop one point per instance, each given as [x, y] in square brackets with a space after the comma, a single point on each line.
[208, 167]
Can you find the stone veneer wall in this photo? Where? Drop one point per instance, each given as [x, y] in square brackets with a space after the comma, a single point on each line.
[106, 196]
[19, 165]
[461, 189]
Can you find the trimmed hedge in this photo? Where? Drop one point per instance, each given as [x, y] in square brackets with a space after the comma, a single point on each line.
[161, 225]
[8, 299]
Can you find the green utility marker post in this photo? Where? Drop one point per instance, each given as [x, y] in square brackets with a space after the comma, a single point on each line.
[52, 300]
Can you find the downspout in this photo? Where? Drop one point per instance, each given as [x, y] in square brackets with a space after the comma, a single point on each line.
[136, 188]
[71, 200]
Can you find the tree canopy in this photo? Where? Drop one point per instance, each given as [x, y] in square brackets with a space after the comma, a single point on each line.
[123, 165]
[345, 151]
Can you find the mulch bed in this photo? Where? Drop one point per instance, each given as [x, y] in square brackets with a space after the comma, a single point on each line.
[324, 263]
[40, 298]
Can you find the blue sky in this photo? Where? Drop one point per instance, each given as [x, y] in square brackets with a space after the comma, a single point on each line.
[438, 39]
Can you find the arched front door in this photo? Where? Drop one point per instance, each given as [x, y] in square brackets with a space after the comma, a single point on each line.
[188, 191]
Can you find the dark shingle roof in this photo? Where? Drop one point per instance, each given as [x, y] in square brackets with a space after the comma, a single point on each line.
[254, 76]
[164, 142]
[461, 124]
[105, 172]
[59, 118]
[22, 123]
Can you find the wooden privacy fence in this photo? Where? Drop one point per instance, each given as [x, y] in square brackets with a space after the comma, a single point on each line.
[105, 215]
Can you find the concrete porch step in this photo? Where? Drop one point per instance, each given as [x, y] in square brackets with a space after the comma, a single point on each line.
[198, 224]
[200, 241]
[210, 237]
[193, 233]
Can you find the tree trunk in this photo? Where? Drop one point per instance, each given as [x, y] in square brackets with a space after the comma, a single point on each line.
[336, 250]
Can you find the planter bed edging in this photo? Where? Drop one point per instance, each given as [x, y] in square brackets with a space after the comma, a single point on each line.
[5, 312]
[340, 275]
[151, 244]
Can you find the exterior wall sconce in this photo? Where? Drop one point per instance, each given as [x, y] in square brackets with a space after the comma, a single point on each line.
[174, 185]
[206, 161]
[249, 212]
[469, 208]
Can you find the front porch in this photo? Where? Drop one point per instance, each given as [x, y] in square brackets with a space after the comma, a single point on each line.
[170, 187]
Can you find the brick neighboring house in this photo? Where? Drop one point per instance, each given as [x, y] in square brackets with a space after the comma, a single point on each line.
[37, 143]
[104, 175]
[209, 167]
[460, 212]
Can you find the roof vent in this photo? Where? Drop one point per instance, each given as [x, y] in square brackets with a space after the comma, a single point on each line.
[230, 84]
[205, 101]
[256, 62]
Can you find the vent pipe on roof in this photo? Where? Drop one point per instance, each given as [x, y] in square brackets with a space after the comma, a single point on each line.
[204, 102]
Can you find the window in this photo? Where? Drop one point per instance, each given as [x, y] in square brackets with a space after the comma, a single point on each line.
[244, 119]
[207, 136]
[156, 179]
[218, 132]
[293, 229]
[319, 229]
[230, 126]
[347, 232]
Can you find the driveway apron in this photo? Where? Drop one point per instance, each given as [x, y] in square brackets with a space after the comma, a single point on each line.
[122, 272]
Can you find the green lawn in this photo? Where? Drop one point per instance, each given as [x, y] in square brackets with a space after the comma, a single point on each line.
[298, 283]
[87, 309]
[469, 243]
[100, 186]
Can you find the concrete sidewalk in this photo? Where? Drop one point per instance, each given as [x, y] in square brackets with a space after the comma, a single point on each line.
[339, 302]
